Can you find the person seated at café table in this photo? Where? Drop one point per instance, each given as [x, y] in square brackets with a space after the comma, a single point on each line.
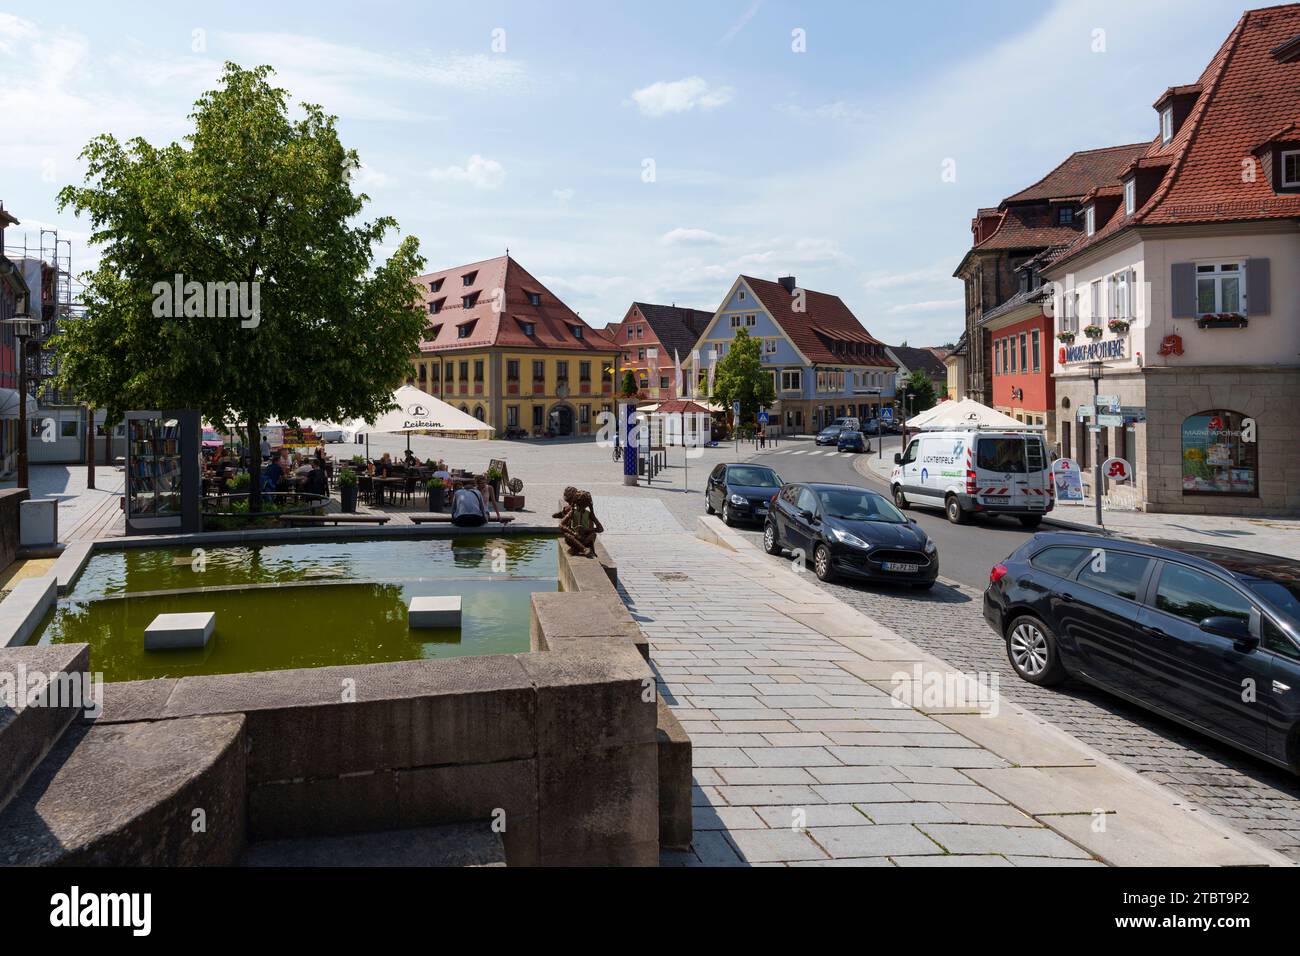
[272, 475]
[411, 461]
[317, 483]
[385, 467]
[304, 467]
[440, 471]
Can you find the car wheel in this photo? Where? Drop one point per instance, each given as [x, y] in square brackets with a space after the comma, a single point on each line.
[708, 507]
[955, 514]
[771, 543]
[900, 499]
[1031, 521]
[1032, 650]
[822, 563]
[727, 518]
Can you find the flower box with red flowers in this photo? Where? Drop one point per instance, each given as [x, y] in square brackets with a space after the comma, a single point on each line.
[1223, 320]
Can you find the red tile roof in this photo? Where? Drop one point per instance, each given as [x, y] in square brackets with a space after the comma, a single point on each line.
[1079, 173]
[1248, 94]
[500, 310]
[825, 322]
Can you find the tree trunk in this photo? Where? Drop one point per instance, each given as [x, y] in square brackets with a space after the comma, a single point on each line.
[254, 465]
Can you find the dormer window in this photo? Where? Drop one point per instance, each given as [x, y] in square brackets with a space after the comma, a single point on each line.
[1065, 216]
[1291, 168]
[577, 331]
[464, 331]
[468, 301]
[1090, 220]
[436, 306]
[529, 328]
[469, 277]
[1130, 196]
[435, 285]
[1166, 124]
[534, 298]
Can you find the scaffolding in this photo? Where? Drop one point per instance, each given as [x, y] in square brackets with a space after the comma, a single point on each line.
[59, 304]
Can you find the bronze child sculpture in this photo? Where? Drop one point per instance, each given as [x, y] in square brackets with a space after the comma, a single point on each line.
[580, 525]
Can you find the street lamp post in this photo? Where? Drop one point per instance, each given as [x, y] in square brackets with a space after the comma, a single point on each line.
[23, 326]
[1095, 371]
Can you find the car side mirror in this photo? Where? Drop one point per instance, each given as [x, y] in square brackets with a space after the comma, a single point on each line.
[913, 521]
[1233, 628]
[898, 458]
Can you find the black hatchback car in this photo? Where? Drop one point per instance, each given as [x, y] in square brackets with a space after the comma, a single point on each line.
[741, 492]
[852, 441]
[1207, 636]
[850, 531]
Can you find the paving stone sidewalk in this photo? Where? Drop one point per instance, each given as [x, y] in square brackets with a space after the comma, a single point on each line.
[797, 760]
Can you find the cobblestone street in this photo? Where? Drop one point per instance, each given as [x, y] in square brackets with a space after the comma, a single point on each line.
[947, 621]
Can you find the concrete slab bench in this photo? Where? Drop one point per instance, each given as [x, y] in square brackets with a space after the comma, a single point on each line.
[297, 521]
[435, 518]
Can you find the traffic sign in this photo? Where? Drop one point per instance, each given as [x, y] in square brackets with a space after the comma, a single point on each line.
[762, 417]
[1107, 401]
[735, 412]
[887, 413]
[1110, 420]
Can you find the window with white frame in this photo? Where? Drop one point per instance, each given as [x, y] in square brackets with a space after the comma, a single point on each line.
[1166, 124]
[769, 346]
[791, 380]
[1130, 196]
[1069, 309]
[1120, 288]
[1291, 167]
[1034, 348]
[735, 321]
[1097, 305]
[1090, 220]
[1220, 288]
[751, 319]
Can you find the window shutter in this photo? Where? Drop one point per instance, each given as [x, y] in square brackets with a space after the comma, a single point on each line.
[1182, 290]
[1258, 299]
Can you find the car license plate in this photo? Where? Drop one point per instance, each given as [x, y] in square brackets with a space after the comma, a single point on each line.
[997, 499]
[1037, 504]
[900, 566]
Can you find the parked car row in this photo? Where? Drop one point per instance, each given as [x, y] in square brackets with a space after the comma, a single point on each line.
[1206, 636]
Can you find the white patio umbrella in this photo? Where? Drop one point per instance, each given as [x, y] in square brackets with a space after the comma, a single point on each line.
[419, 411]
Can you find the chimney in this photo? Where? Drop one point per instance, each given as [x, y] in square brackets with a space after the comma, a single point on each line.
[787, 283]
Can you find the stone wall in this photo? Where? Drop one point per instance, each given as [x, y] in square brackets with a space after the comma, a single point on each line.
[1269, 395]
[561, 745]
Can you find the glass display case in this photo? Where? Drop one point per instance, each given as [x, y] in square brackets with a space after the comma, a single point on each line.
[162, 472]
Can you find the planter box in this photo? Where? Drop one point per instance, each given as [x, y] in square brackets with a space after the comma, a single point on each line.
[514, 502]
[1238, 322]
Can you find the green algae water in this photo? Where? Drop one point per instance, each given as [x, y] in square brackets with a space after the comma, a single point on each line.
[304, 604]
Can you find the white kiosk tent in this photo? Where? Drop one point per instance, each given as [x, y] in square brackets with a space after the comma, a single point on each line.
[964, 414]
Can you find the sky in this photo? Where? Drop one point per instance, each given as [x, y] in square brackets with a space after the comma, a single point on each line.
[637, 152]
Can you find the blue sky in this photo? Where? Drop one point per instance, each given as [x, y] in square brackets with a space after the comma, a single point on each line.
[532, 126]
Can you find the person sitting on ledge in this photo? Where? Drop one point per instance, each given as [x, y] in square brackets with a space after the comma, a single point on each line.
[580, 526]
[469, 506]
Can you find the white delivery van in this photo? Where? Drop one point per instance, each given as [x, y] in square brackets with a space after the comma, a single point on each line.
[976, 471]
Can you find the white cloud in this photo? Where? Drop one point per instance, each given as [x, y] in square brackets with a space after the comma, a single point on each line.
[563, 195]
[690, 237]
[679, 96]
[367, 177]
[938, 273]
[479, 172]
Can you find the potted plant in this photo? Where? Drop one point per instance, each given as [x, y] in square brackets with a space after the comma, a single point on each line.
[1224, 320]
[1066, 337]
[493, 477]
[1118, 325]
[436, 490]
[348, 490]
[515, 501]
[1093, 331]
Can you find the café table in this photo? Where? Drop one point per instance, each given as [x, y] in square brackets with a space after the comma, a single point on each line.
[381, 483]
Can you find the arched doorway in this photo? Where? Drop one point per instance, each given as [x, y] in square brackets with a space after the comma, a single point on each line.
[560, 420]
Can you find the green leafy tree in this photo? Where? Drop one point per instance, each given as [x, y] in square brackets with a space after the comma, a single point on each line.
[629, 384]
[256, 198]
[922, 389]
[740, 377]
